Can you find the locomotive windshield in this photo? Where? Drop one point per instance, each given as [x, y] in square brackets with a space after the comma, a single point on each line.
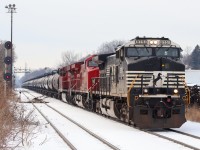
[149, 51]
[139, 51]
[167, 52]
[92, 64]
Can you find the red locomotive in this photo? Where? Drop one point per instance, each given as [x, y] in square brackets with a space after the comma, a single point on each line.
[76, 83]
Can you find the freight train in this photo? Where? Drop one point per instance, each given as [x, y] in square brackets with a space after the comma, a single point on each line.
[142, 83]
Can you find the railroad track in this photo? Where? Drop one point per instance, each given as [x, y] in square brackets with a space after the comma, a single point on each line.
[164, 134]
[183, 133]
[73, 147]
[190, 142]
[57, 130]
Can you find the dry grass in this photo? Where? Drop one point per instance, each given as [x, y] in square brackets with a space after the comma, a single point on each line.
[16, 123]
[6, 116]
[193, 113]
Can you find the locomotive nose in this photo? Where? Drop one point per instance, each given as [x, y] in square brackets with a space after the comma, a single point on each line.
[155, 64]
[150, 64]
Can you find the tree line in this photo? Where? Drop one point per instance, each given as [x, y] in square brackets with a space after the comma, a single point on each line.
[191, 58]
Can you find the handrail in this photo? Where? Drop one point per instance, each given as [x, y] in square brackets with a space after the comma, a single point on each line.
[187, 91]
[129, 90]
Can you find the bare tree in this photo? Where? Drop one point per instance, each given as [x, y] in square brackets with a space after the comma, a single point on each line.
[187, 56]
[69, 57]
[109, 47]
[1, 56]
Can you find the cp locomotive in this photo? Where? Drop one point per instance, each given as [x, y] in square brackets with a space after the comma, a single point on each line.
[142, 83]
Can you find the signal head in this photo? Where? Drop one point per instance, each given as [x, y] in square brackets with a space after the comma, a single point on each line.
[7, 76]
[8, 60]
[8, 45]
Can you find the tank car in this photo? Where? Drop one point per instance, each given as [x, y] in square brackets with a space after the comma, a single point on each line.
[46, 84]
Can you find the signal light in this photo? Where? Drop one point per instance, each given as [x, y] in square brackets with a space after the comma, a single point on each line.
[7, 76]
[8, 60]
[8, 45]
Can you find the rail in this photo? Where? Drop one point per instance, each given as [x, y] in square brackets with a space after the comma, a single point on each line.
[171, 139]
[59, 133]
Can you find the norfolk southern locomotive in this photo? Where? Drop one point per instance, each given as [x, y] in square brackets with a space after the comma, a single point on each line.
[143, 83]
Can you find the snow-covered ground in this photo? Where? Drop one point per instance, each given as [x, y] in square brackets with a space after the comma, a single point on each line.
[192, 76]
[78, 137]
[120, 135]
[42, 137]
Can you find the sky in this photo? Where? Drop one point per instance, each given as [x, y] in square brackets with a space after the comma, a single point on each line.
[43, 30]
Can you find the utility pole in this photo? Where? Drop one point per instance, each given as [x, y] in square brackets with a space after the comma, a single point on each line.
[11, 9]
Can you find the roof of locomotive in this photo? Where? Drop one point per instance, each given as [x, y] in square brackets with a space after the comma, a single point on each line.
[101, 58]
[149, 42]
[79, 62]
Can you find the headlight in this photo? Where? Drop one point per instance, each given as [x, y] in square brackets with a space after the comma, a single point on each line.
[145, 91]
[175, 91]
[151, 42]
[155, 42]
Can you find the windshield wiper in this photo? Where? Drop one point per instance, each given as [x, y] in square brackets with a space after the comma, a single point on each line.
[159, 49]
[146, 48]
[168, 48]
[137, 51]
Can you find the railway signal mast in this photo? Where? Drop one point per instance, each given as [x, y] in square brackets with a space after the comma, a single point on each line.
[9, 59]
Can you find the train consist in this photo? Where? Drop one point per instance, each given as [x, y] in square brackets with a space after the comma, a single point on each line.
[142, 83]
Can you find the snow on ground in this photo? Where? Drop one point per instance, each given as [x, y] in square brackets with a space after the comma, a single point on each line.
[183, 138]
[191, 128]
[79, 138]
[120, 135]
[43, 137]
[192, 76]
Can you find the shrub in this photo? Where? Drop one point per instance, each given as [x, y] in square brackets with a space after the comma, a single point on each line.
[193, 113]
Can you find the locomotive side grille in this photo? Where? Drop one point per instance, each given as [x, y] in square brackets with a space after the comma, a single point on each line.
[138, 77]
[174, 80]
[169, 79]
